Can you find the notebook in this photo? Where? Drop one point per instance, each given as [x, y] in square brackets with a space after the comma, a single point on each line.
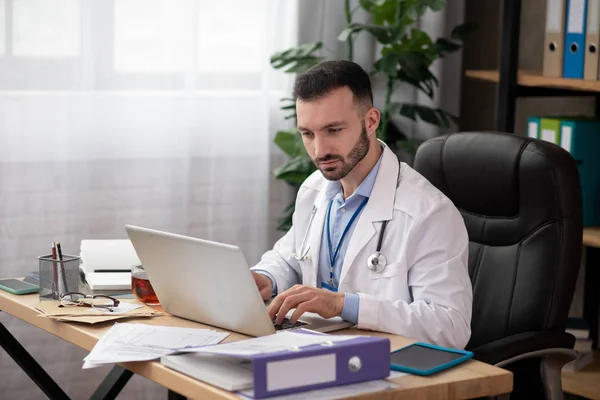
[106, 264]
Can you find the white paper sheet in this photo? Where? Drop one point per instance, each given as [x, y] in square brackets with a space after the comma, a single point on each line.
[140, 342]
[273, 343]
[122, 308]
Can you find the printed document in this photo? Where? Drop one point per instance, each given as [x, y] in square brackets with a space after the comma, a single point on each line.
[140, 342]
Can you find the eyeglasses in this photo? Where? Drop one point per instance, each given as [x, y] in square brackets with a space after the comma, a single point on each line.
[99, 301]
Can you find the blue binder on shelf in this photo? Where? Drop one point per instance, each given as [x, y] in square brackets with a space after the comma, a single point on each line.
[575, 32]
[266, 374]
[581, 138]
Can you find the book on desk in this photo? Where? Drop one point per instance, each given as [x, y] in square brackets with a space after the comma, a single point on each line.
[107, 264]
[322, 361]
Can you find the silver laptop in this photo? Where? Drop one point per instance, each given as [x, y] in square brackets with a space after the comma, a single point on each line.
[211, 283]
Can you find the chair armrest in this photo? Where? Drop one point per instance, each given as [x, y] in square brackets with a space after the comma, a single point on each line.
[522, 343]
[556, 354]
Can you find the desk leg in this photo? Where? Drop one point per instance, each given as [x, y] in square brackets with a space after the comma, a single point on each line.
[37, 374]
[175, 396]
[112, 385]
[591, 305]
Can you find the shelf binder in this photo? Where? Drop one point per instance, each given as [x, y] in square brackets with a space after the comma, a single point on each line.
[580, 137]
[592, 38]
[533, 127]
[575, 30]
[554, 38]
[311, 367]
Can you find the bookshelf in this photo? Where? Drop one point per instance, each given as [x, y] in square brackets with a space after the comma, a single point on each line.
[512, 84]
[535, 79]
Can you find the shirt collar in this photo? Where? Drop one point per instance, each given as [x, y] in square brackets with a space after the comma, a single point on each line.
[334, 188]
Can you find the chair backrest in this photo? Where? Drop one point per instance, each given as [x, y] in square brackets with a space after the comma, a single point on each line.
[521, 202]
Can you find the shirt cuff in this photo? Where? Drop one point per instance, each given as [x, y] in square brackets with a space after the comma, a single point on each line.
[350, 309]
[273, 282]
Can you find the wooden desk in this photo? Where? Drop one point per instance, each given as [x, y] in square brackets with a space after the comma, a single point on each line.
[472, 379]
[591, 300]
[586, 382]
[591, 237]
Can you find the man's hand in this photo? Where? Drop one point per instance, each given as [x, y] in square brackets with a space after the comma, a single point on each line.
[264, 284]
[306, 299]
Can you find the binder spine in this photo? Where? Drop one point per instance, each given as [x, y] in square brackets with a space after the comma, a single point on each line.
[554, 39]
[575, 39]
[533, 127]
[590, 70]
[321, 366]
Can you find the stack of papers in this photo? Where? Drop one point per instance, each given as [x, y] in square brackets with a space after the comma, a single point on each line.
[280, 341]
[140, 342]
[126, 309]
[107, 264]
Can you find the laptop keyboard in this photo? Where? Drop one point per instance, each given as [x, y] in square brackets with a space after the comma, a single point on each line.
[287, 324]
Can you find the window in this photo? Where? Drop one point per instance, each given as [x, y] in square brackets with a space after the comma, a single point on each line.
[234, 43]
[151, 36]
[123, 45]
[2, 27]
[44, 28]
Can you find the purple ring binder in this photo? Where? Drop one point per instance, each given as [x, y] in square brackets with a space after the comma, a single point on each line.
[318, 366]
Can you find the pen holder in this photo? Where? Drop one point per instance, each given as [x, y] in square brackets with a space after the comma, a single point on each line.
[58, 277]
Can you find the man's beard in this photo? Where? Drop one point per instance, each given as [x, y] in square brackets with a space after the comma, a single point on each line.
[358, 152]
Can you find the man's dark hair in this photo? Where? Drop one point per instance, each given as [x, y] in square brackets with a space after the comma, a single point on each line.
[326, 76]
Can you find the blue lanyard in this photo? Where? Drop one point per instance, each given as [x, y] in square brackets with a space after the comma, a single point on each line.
[333, 257]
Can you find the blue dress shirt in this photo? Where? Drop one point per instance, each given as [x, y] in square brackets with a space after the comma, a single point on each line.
[339, 216]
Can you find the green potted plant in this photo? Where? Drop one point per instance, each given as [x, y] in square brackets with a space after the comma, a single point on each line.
[406, 56]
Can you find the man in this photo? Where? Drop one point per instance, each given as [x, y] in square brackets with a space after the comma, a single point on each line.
[420, 288]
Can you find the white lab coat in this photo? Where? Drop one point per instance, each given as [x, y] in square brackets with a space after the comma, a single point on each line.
[424, 292]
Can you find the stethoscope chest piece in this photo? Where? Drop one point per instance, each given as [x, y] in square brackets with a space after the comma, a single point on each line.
[376, 262]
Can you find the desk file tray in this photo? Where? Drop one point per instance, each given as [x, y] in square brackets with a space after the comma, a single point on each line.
[312, 367]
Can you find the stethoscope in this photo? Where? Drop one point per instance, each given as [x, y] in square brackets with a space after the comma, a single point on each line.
[376, 262]
[303, 256]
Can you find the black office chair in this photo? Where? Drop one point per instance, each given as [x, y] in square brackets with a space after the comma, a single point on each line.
[521, 202]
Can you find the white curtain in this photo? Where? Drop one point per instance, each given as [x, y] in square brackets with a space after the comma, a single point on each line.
[157, 113]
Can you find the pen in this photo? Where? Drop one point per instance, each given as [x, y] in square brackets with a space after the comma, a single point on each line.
[62, 266]
[54, 273]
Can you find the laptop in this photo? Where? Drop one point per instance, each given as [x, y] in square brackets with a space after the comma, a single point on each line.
[211, 283]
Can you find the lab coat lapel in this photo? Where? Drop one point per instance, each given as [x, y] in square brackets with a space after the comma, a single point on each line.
[316, 232]
[380, 207]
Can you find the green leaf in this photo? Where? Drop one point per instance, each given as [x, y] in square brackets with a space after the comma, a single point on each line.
[460, 32]
[422, 86]
[387, 64]
[290, 143]
[434, 5]
[383, 34]
[346, 33]
[382, 11]
[296, 170]
[285, 219]
[419, 40]
[297, 58]
[434, 116]
[444, 47]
